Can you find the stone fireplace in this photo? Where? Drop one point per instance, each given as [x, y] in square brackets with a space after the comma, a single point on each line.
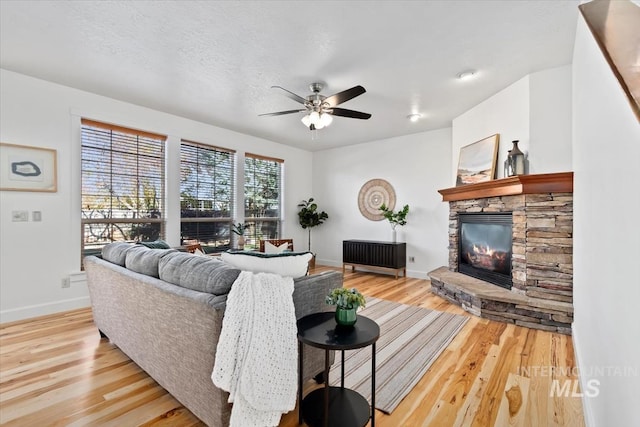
[540, 264]
[484, 246]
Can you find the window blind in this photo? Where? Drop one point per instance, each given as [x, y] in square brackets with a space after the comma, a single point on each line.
[262, 198]
[206, 195]
[122, 185]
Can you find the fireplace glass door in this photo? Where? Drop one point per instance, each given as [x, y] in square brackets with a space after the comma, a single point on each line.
[485, 242]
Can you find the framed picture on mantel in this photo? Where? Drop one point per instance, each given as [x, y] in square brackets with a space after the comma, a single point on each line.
[477, 161]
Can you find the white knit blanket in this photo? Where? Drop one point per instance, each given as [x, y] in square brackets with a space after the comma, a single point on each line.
[256, 358]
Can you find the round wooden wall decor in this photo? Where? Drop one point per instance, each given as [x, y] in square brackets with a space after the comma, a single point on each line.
[373, 194]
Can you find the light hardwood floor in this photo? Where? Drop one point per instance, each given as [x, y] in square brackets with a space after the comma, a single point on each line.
[55, 371]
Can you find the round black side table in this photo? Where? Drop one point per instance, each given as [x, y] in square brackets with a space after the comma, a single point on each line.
[336, 406]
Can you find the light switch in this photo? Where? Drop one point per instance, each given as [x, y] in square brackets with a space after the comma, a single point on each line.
[36, 216]
[19, 216]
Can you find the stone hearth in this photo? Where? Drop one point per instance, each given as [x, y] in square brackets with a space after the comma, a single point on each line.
[542, 259]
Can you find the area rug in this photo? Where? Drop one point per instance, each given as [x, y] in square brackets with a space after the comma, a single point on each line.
[411, 339]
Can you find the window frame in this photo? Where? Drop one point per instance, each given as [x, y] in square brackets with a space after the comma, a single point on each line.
[141, 137]
[253, 240]
[232, 176]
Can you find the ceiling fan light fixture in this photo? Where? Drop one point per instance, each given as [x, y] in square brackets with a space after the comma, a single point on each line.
[319, 109]
[315, 120]
[326, 119]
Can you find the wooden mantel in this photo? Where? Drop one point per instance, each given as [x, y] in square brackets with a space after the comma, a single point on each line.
[520, 184]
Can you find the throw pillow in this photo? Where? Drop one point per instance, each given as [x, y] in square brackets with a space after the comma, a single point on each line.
[270, 248]
[156, 244]
[287, 264]
[198, 252]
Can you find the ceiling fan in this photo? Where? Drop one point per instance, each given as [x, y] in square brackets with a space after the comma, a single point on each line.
[320, 108]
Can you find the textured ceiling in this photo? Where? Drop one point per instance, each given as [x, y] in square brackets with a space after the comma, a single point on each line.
[215, 61]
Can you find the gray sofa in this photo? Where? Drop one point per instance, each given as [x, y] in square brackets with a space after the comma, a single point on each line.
[164, 309]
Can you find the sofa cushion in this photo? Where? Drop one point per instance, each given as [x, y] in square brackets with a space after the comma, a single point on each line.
[174, 266]
[116, 252]
[144, 260]
[204, 274]
[289, 264]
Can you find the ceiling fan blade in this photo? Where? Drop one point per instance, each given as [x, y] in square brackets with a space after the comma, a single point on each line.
[291, 95]
[343, 112]
[344, 96]
[280, 113]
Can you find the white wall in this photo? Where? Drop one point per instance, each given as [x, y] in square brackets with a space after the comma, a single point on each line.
[505, 113]
[536, 110]
[606, 150]
[550, 121]
[36, 256]
[417, 166]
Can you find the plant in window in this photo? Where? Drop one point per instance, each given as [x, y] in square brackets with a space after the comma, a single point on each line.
[310, 217]
[239, 229]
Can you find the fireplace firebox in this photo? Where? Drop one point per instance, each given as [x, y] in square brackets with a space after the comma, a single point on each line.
[485, 247]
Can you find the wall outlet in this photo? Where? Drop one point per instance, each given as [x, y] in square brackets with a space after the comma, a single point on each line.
[412, 259]
[66, 282]
[36, 216]
[19, 216]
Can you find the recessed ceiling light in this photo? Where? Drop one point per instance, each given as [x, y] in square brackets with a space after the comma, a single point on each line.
[466, 75]
[414, 117]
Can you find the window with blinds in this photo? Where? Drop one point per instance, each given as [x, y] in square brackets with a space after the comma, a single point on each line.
[262, 198]
[122, 185]
[206, 196]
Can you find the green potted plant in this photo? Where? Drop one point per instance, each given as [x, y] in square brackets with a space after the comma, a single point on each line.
[239, 229]
[395, 218]
[347, 302]
[310, 217]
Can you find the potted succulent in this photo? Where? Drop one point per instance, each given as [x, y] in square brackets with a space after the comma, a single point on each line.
[347, 302]
[310, 217]
[239, 229]
[395, 218]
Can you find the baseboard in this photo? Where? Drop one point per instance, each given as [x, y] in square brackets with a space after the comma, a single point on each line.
[415, 274]
[328, 262]
[30, 311]
[586, 402]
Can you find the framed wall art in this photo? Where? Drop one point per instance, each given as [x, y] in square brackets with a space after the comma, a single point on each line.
[25, 168]
[477, 161]
[373, 194]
